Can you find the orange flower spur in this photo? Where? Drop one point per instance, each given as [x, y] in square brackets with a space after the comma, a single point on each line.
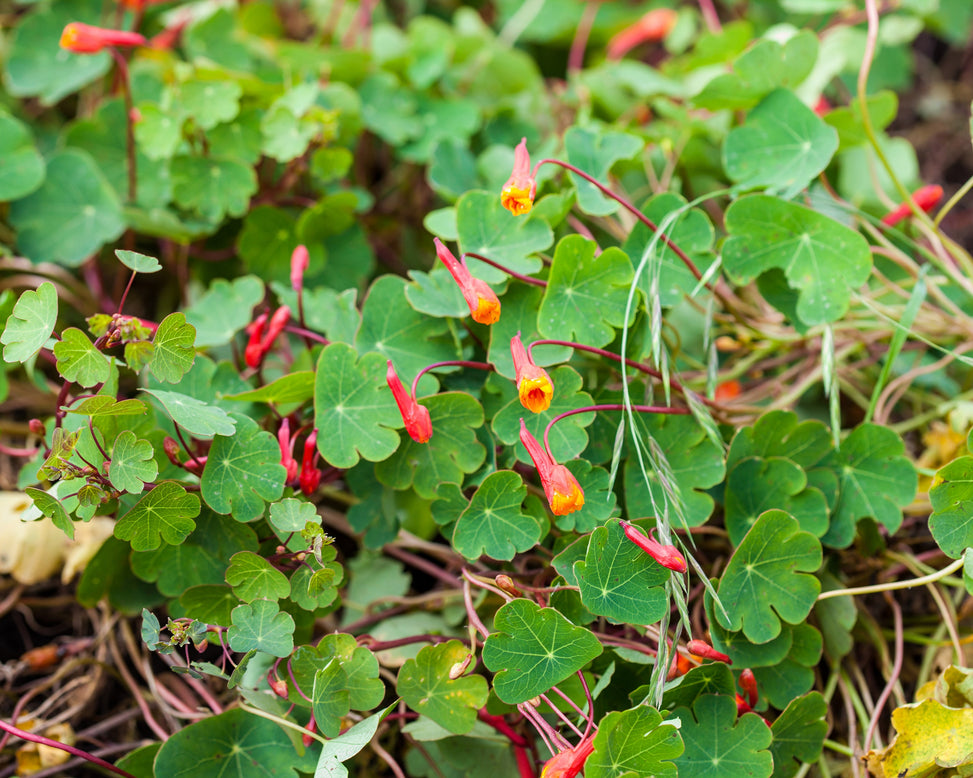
[517, 195]
[561, 488]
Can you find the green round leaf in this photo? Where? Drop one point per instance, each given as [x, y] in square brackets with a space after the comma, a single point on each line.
[426, 687]
[822, 259]
[73, 214]
[243, 471]
[533, 648]
[634, 742]
[173, 355]
[595, 151]
[21, 165]
[235, 744]
[78, 359]
[494, 523]
[199, 419]
[212, 187]
[140, 263]
[721, 746]
[163, 515]
[618, 580]
[254, 578]
[260, 625]
[224, 309]
[132, 463]
[767, 579]
[30, 324]
[799, 734]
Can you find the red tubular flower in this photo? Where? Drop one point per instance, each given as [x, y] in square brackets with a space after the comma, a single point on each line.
[276, 326]
[85, 39]
[667, 556]
[926, 198]
[748, 682]
[416, 417]
[300, 260]
[481, 299]
[533, 383]
[517, 195]
[561, 488]
[287, 450]
[654, 26]
[569, 763]
[253, 354]
[703, 649]
[279, 687]
[310, 473]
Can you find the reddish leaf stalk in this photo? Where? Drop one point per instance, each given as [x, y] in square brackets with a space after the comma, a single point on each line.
[512, 273]
[46, 741]
[449, 363]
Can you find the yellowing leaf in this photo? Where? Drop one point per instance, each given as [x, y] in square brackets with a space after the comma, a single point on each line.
[930, 737]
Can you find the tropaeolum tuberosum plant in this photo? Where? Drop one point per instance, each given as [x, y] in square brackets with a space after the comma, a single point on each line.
[602, 473]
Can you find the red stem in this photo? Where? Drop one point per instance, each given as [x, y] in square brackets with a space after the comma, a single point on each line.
[449, 363]
[499, 723]
[46, 741]
[493, 263]
[633, 210]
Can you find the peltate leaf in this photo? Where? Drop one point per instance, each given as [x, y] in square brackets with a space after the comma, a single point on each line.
[533, 648]
[213, 187]
[51, 507]
[200, 419]
[132, 463]
[875, 479]
[173, 355]
[262, 626]
[164, 515]
[951, 495]
[494, 522]
[292, 515]
[486, 227]
[254, 578]
[330, 700]
[619, 581]
[22, 169]
[720, 745]
[929, 737]
[799, 734]
[140, 263]
[346, 745]
[224, 309]
[235, 744]
[78, 359]
[243, 471]
[766, 578]
[354, 411]
[426, 687]
[595, 151]
[585, 295]
[782, 146]
[451, 452]
[634, 742]
[30, 324]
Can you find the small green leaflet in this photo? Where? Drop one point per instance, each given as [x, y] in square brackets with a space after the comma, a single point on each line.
[619, 580]
[224, 309]
[174, 353]
[426, 687]
[585, 296]
[132, 463]
[261, 625]
[494, 522]
[199, 419]
[254, 578]
[452, 451]
[292, 515]
[768, 576]
[719, 745]
[533, 648]
[213, 187]
[634, 742]
[51, 507]
[78, 360]
[163, 515]
[330, 698]
[594, 151]
[140, 263]
[31, 323]
[243, 471]
[102, 405]
[353, 408]
[210, 102]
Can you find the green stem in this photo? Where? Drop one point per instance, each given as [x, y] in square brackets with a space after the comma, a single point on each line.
[893, 585]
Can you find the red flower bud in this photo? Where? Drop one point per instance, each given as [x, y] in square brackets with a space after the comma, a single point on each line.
[300, 260]
[416, 417]
[279, 687]
[748, 683]
[287, 450]
[703, 649]
[37, 427]
[253, 354]
[310, 474]
[85, 39]
[506, 583]
[926, 198]
[480, 298]
[652, 27]
[667, 556]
